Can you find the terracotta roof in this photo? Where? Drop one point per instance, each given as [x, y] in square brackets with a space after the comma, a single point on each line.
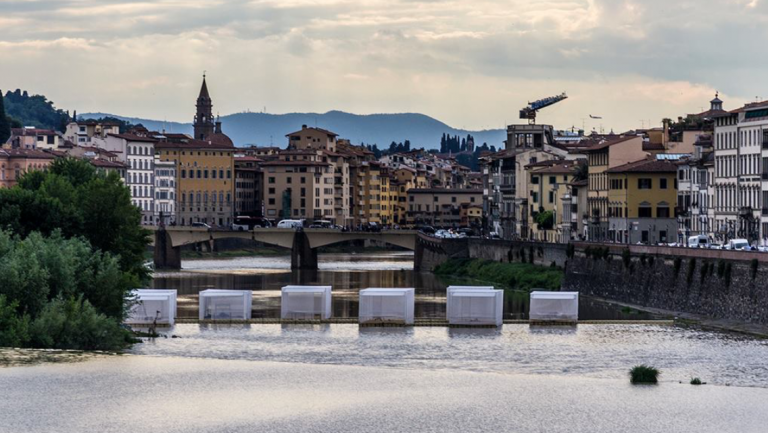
[26, 153]
[566, 167]
[134, 137]
[289, 163]
[194, 144]
[248, 158]
[646, 166]
[325, 131]
[103, 163]
[611, 142]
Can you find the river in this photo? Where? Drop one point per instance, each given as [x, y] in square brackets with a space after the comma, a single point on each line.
[341, 378]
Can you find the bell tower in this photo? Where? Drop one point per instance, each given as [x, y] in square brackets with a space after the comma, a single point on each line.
[204, 124]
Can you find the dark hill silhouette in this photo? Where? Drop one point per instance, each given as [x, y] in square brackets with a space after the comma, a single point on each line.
[264, 129]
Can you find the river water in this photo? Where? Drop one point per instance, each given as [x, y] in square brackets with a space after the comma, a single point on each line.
[341, 378]
[348, 274]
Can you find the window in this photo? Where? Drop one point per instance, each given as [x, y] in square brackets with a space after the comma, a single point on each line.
[535, 180]
[272, 201]
[644, 212]
[663, 183]
[453, 199]
[662, 212]
[644, 183]
[551, 196]
[271, 180]
[271, 190]
[552, 180]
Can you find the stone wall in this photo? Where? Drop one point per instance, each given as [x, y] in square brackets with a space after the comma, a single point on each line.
[544, 254]
[431, 252]
[718, 284]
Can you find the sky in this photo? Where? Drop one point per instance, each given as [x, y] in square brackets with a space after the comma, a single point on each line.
[472, 64]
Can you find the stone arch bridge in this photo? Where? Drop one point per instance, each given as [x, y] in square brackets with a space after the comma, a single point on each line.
[302, 243]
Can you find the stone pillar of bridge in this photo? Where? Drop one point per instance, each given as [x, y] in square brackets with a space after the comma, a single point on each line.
[302, 255]
[166, 255]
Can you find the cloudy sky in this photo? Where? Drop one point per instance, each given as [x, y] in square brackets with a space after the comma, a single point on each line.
[472, 63]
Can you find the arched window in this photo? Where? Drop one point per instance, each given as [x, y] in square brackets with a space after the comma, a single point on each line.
[213, 196]
[198, 196]
[221, 196]
[205, 197]
[191, 199]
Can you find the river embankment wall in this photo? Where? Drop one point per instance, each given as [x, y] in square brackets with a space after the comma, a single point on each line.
[729, 285]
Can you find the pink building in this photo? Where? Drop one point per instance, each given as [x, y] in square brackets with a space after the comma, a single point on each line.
[16, 162]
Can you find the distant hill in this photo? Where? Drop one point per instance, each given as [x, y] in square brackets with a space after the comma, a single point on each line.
[265, 129]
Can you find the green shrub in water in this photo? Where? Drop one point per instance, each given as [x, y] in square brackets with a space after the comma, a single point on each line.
[644, 374]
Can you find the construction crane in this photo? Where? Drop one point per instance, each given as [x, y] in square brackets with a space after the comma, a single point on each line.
[529, 112]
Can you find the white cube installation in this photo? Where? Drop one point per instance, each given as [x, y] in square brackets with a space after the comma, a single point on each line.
[452, 288]
[153, 306]
[225, 305]
[480, 307]
[305, 302]
[380, 305]
[554, 306]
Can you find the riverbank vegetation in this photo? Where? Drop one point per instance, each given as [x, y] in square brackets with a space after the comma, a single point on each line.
[640, 374]
[71, 250]
[519, 276]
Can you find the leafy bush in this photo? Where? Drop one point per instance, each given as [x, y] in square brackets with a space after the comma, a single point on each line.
[643, 374]
[75, 324]
[696, 381]
[15, 328]
[515, 275]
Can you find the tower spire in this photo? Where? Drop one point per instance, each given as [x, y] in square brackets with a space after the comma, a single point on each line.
[204, 122]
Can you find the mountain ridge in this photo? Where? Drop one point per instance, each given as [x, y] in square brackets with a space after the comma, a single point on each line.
[265, 129]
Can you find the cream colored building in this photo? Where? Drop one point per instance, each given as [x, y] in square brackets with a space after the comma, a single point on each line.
[440, 207]
[298, 187]
[83, 133]
[603, 156]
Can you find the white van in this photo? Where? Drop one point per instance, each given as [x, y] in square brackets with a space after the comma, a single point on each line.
[700, 241]
[738, 244]
[290, 224]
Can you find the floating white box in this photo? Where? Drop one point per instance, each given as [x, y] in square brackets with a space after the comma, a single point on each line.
[554, 306]
[225, 304]
[151, 305]
[480, 307]
[305, 302]
[384, 305]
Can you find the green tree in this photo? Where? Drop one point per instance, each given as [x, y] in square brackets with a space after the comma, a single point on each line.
[5, 124]
[75, 199]
[545, 220]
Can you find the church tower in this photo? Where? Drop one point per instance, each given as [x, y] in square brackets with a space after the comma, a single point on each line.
[204, 126]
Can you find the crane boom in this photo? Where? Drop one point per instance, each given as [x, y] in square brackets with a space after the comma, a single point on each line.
[529, 112]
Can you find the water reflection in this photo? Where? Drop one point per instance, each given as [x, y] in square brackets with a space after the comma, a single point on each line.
[347, 276]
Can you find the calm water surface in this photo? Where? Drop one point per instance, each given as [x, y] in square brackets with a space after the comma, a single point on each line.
[340, 378]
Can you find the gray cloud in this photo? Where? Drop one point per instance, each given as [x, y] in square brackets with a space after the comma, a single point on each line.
[659, 58]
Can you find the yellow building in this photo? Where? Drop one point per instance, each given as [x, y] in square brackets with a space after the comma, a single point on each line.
[205, 179]
[386, 198]
[603, 156]
[547, 187]
[641, 202]
[369, 177]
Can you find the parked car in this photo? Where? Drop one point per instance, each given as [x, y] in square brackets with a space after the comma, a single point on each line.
[321, 224]
[428, 230]
[290, 224]
[715, 247]
[201, 224]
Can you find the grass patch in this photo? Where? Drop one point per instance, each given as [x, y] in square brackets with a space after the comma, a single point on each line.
[644, 374]
[520, 276]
